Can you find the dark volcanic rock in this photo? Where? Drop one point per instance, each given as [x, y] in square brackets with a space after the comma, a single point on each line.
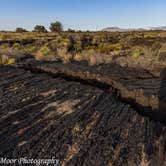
[42, 116]
[138, 87]
[162, 92]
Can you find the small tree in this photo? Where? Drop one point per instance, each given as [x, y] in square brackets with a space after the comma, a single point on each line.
[71, 30]
[40, 28]
[20, 30]
[56, 27]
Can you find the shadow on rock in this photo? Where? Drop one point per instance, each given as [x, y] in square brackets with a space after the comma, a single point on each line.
[162, 92]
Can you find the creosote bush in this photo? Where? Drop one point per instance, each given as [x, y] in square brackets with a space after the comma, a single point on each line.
[30, 49]
[40, 28]
[21, 30]
[5, 60]
[137, 52]
[45, 50]
[16, 46]
[107, 48]
[156, 46]
[3, 37]
[11, 61]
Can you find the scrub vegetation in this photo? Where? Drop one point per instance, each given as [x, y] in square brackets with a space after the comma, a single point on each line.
[124, 48]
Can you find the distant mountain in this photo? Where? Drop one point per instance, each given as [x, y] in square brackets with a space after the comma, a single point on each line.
[117, 29]
[158, 28]
[112, 29]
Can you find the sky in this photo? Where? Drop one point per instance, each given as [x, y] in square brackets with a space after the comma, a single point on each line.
[82, 14]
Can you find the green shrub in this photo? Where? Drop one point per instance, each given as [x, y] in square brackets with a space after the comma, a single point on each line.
[40, 28]
[4, 59]
[16, 46]
[4, 46]
[78, 46]
[71, 30]
[3, 37]
[156, 46]
[136, 52]
[107, 48]
[21, 30]
[45, 50]
[11, 61]
[29, 49]
[56, 42]
[64, 43]
[150, 35]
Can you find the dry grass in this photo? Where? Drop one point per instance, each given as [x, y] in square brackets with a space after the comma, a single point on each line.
[94, 47]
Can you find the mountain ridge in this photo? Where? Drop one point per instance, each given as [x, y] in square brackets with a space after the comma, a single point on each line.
[118, 29]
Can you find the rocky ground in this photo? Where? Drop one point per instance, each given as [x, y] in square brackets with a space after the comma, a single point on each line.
[83, 115]
[136, 86]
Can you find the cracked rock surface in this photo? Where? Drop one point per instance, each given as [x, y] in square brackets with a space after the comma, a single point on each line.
[139, 87]
[43, 115]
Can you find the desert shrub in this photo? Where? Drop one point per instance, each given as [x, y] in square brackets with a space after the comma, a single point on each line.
[162, 56]
[117, 46]
[3, 59]
[40, 43]
[102, 38]
[11, 61]
[95, 41]
[56, 42]
[21, 30]
[40, 28]
[78, 57]
[53, 45]
[71, 44]
[29, 36]
[106, 58]
[78, 46]
[107, 48]
[4, 46]
[67, 57]
[44, 53]
[162, 52]
[156, 46]
[29, 49]
[150, 35]
[95, 59]
[86, 40]
[92, 60]
[45, 50]
[16, 46]
[91, 56]
[62, 46]
[64, 43]
[136, 52]
[71, 30]
[3, 37]
[5, 49]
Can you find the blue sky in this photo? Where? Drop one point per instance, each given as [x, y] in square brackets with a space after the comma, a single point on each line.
[82, 14]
